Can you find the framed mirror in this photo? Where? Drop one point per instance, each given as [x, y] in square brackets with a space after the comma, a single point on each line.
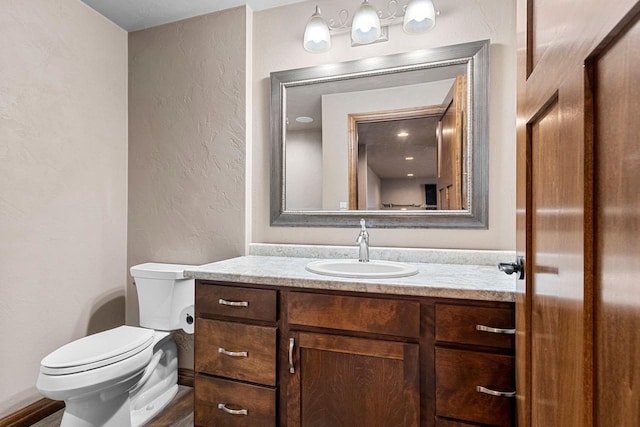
[401, 140]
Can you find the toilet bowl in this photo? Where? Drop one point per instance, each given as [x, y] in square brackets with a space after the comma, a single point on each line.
[126, 375]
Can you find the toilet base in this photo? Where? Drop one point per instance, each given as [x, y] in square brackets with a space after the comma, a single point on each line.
[98, 410]
[141, 416]
[133, 400]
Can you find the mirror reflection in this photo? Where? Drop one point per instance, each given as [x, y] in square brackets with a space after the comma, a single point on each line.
[388, 142]
[401, 138]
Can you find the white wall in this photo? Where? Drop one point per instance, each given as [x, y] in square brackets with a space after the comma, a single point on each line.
[374, 196]
[303, 166]
[403, 191]
[335, 127]
[279, 47]
[63, 183]
[187, 102]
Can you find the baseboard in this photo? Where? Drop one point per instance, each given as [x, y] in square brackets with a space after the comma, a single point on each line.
[32, 414]
[185, 377]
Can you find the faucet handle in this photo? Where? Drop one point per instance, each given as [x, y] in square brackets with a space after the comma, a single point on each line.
[362, 224]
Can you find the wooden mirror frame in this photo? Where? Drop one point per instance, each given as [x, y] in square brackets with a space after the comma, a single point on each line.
[476, 57]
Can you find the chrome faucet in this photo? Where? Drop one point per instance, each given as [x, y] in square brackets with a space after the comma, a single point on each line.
[363, 242]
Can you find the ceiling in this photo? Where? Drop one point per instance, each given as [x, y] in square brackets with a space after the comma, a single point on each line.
[387, 152]
[133, 15]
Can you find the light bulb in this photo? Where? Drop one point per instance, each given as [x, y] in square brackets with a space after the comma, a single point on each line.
[420, 16]
[316, 34]
[365, 27]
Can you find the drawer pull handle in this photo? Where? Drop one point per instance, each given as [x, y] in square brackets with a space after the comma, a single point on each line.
[233, 303]
[223, 406]
[484, 328]
[233, 353]
[292, 368]
[490, 392]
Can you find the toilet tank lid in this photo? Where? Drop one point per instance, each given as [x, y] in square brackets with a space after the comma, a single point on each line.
[153, 270]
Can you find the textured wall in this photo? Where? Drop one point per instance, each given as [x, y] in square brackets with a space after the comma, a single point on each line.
[63, 183]
[278, 46]
[187, 145]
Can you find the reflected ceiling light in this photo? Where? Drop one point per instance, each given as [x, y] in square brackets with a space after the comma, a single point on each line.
[304, 119]
[316, 34]
[409, 174]
[403, 134]
[419, 16]
[369, 25]
[408, 158]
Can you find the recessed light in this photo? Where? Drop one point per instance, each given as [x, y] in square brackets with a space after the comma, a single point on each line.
[304, 119]
[409, 174]
[403, 134]
[408, 158]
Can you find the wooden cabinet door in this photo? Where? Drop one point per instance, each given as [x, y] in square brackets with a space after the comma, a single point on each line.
[578, 213]
[451, 148]
[344, 381]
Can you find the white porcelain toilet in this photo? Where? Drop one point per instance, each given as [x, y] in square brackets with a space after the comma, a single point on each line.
[124, 376]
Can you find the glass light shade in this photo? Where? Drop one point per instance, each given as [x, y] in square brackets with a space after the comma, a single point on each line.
[316, 34]
[420, 16]
[365, 27]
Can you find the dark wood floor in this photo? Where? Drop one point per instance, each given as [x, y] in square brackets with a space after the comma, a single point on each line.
[179, 413]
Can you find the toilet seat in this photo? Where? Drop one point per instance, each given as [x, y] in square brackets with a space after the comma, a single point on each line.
[97, 350]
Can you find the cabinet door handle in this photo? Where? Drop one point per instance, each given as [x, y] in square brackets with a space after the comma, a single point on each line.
[233, 303]
[223, 406]
[292, 368]
[233, 353]
[484, 328]
[490, 392]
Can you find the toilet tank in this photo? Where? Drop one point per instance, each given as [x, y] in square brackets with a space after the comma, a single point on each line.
[163, 292]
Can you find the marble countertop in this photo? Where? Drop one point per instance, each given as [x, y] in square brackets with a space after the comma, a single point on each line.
[478, 282]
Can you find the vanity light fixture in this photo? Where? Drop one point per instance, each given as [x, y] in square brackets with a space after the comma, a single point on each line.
[408, 158]
[316, 33]
[403, 134]
[369, 25]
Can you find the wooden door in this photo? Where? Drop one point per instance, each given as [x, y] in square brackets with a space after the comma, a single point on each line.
[344, 381]
[616, 77]
[577, 65]
[451, 146]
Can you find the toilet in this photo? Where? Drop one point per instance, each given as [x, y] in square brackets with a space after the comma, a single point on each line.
[126, 375]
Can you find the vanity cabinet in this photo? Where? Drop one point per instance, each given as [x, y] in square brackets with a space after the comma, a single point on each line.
[275, 355]
[474, 365]
[235, 356]
[351, 361]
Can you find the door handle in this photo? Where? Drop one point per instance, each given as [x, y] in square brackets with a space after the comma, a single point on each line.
[292, 368]
[513, 267]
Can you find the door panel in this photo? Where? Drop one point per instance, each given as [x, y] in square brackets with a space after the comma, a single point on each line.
[452, 142]
[577, 215]
[556, 287]
[345, 381]
[617, 226]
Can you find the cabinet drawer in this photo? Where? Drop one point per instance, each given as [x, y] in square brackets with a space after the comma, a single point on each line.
[459, 373]
[380, 316]
[233, 301]
[259, 403]
[459, 324]
[253, 348]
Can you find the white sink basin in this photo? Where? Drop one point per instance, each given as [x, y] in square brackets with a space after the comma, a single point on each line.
[366, 270]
